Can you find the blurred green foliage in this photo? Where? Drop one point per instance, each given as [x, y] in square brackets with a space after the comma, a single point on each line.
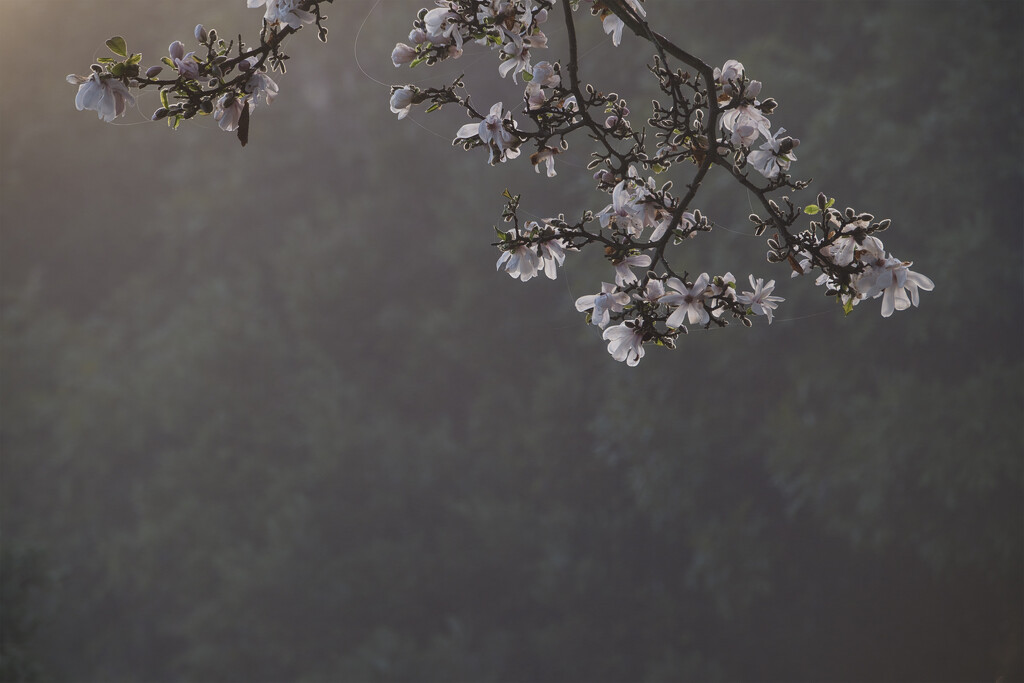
[270, 415]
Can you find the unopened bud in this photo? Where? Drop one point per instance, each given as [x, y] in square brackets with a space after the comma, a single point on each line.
[154, 71]
[201, 34]
[159, 114]
[176, 50]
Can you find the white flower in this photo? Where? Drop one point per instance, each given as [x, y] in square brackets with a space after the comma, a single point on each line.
[441, 28]
[625, 342]
[613, 25]
[623, 211]
[184, 63]
[544, 75]
[284, 12]
[228, 111]
[745, 122]
[402, 101]
[517, 56]
[732, 70]
[607, 301]
[774, 156]
[552, 255]
[545, 155]
[108, 97]
[493, 133]
[623, 274]
[690, 301]
[723, 288]
[402, 54]
[522, 262]
[891, 278]
[686, 222]
[760, 300]
[260, 85]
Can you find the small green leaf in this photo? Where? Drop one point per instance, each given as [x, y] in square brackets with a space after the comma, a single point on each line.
[135, 59]
[118, 46]
[527, 76]
[417, 61]
[433, 107]
[829, 203]
[506, 194]
[105, 60]
[847, 307]
[168, 62]
[117, 69]
[811, 209]
[163, 100]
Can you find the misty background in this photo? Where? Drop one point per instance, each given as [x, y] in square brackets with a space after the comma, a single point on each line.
[270, 414]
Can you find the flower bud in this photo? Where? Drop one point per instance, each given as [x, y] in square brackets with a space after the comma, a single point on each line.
[402, 54]
[176, 50]
[154, 71]
[159, 114]
[201, 34]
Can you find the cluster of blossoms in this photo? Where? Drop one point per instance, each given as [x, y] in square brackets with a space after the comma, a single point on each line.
[219, 78]
[705, 118]
[709, 117]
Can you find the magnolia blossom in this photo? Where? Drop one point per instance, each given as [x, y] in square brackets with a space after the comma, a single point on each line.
[745, 122]
[625, 342]
[690, 301]
[623, 274]
[403, 54]
[228, 111]
[731, 72]
[546, 156]
[260, 85]
[442, 29]
[284, 12]
[890, 278]
[609, 300]
[544, 75]
[774, 156]
[502, 143]
[184, 63]
[108, 97]
[521, 262]
[623, 211]
[686, 221]
[760, 300]
[552, 255]
[516, 52]
[723, 287]
[613, 25]
[402, 101]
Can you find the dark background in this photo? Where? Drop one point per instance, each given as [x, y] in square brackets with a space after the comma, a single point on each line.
[269, 414]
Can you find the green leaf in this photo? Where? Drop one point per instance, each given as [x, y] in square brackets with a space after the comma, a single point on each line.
[168, 62]
[163, 100]
[417, 61]
[506, 194]
[135, 59]
[811, 209]
[118, 46]
[117, 69]
[829, 203]
[433, 107]
[847, 307]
